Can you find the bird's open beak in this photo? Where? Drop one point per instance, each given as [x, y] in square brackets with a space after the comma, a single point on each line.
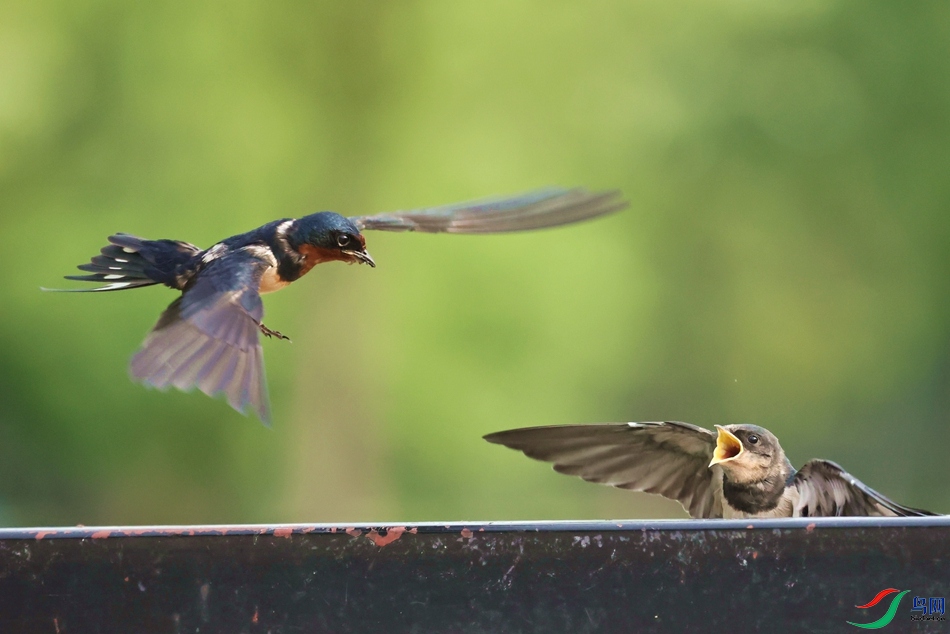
[728, 447]
[361, 256]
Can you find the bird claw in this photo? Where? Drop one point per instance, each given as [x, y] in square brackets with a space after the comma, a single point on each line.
[272, 333]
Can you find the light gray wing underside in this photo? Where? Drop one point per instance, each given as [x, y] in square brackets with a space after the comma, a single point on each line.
[209, 338]
[666, 458]
[533, 210]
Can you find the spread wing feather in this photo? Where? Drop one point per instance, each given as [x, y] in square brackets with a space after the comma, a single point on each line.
[208, 338]
[533, 210]
[825, 489]
[668, 458]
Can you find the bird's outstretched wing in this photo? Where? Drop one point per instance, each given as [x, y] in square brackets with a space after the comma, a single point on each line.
[533, 210]
[669, 459]
[825, 489]
[208, 338]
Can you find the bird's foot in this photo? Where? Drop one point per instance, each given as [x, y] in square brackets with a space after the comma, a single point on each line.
[272, 333]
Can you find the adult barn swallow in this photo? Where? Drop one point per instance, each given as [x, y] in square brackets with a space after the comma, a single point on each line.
[208, 337]
[741, 472]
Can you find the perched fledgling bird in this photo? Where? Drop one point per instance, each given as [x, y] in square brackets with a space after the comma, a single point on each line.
[741, 472]
[208, 337]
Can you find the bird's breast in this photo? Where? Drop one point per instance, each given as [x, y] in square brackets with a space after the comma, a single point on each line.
[782, 509]
[271, 281]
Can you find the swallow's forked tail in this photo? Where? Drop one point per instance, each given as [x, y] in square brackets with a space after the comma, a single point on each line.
[131, 262]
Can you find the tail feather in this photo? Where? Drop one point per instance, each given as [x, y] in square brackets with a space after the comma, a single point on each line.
[114, 259]
[132, 262]
[114, 286]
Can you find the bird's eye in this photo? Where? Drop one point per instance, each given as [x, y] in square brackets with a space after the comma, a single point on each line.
[343, 240]
[753, 439]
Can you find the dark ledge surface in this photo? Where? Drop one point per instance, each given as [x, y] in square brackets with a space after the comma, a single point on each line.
[801, 575]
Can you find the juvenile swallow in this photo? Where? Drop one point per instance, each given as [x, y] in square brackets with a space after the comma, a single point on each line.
[208, 337]
[739, 472]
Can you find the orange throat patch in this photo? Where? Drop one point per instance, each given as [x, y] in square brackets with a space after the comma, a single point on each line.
[318, 255]
[312, 256]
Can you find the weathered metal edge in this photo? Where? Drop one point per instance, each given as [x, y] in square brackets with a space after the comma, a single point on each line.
[570, 526]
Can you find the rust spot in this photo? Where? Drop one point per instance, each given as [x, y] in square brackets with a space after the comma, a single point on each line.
[283, 532]
[413, 530]
[481, 530]
[41, 534]
[56, 624]
[333, 529]
[354, 532]
[755, 554]
[750, 526]
[810, 527]
[467, 534]
[256, 613]
[101, 534]
[392, 534]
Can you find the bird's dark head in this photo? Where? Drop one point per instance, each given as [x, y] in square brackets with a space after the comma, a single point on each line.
[746, 453]
[326, 236]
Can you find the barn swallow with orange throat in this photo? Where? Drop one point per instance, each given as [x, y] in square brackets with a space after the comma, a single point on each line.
[208, 337]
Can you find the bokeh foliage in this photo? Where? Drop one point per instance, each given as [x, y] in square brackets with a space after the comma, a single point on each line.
[784, 261]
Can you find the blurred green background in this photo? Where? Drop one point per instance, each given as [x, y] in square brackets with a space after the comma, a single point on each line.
[784, 261]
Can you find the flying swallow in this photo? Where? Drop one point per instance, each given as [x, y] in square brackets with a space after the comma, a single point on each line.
[739, 472]
[208, 337]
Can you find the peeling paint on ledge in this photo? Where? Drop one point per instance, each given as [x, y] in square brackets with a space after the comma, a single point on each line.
[392, 534]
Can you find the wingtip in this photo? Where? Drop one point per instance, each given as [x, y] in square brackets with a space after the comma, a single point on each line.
[259, 410]
[264, 416]
[505, 436]
[493, 437]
